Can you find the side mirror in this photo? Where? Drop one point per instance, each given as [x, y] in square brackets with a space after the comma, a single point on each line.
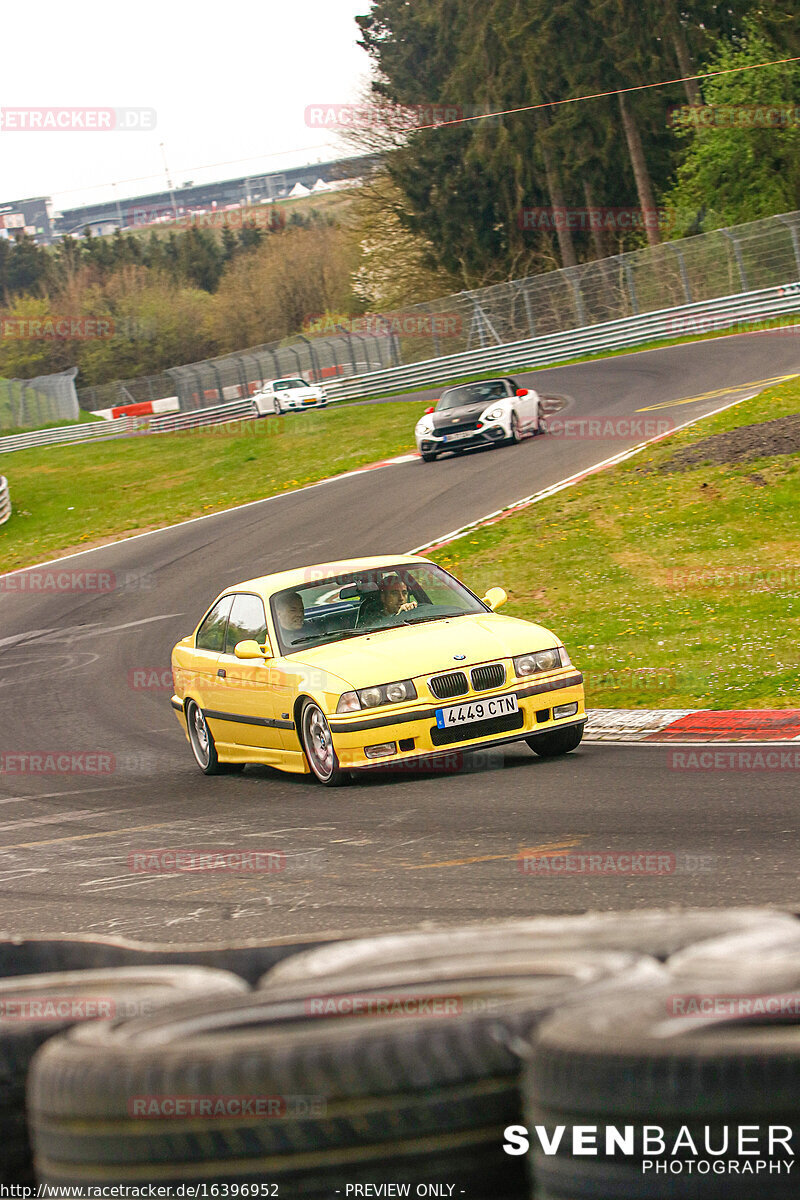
[430, 410]
[522, 391]
[494, 598]
[249, 650]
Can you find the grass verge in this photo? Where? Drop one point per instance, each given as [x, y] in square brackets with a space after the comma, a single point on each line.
[671, 588]
[68, 498]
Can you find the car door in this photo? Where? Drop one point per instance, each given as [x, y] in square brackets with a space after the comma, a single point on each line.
[198, 670]
[247, 713]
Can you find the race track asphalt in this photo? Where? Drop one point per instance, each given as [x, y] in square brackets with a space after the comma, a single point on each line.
[388, 852]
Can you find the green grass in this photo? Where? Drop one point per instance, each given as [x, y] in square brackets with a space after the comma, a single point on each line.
[66, 498]
[669, 590]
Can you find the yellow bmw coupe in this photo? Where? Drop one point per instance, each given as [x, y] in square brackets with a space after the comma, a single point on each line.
[364, 663]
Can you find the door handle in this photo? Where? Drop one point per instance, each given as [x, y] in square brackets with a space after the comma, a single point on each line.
[222, 673]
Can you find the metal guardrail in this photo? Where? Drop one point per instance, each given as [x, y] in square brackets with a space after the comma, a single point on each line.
[103, 431]
[91, 431]
[545, 351]
[517, 356]
[5, 500]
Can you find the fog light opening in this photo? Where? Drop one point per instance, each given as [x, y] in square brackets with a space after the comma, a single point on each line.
[382, 750]
[565, 710]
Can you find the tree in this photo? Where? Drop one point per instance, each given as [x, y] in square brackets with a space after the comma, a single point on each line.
[739, 167]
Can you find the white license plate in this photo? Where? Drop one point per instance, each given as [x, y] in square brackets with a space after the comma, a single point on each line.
[456, 437]
[476, 710]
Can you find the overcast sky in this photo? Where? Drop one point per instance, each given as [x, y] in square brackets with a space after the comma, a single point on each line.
[228, 81]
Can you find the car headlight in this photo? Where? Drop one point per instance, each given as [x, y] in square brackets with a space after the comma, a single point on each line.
[372, 697]
[424, 428]
[493, 414]
[541, 660]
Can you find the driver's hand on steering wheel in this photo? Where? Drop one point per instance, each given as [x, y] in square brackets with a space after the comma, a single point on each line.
[409, 604]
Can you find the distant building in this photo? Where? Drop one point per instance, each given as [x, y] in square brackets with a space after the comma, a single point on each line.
[33, 217]
[160, 207]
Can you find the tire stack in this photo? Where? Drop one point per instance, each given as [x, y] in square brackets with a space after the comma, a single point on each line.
[714, 1048]
[404, 1059]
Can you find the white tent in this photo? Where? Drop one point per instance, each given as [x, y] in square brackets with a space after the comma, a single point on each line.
[299, 190]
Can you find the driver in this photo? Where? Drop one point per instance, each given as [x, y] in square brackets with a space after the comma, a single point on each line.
[289, 611]
[393, 595]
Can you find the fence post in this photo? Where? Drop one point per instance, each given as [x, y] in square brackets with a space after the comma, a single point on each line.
[795, 241]
[687, 291]
[631, 287]
[737, 253]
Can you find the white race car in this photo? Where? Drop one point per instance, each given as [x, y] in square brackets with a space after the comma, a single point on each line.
[491, 412]
[284, 395]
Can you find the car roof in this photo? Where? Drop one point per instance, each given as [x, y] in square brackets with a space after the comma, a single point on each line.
[267, 585]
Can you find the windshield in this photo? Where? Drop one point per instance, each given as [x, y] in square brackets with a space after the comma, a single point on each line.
[346, 606]
[473, 393]
[282, 385]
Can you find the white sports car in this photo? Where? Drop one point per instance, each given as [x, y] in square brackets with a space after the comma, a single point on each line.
[284, 395]
[491, 412]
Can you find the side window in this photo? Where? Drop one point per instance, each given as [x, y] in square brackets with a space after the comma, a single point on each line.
[247, 622]
[211, 634]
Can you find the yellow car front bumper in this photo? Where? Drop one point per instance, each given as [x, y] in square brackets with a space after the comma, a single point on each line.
[414, 732]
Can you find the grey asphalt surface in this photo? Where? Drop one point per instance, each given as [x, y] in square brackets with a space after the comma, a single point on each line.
[390, 851]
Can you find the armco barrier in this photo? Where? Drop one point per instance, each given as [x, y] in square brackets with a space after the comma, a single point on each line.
[724, 313]
[593, 339]
[5, 500]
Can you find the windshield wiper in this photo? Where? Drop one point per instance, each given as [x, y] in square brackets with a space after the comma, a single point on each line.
[440, 617]
[330, 637]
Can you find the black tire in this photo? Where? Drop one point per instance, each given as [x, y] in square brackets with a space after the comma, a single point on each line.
[277, 406]
[556, 742]
[427, 457]
[63, 1000]
[514, 435]
[415, 1095]
[629, 1059]
[654, 932]
[317, 742]
[201, 740]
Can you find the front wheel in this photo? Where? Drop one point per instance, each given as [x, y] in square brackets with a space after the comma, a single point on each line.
[201, 740]
[317, 742]
[428, 457]
[514, 435]
[278, 409]
[558, 741]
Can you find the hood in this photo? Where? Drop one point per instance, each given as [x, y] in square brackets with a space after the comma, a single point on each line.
[414, 650]
[464, 414]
